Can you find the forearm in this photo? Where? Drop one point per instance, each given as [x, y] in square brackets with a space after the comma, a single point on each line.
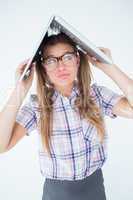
[8, 115]
[121, 79]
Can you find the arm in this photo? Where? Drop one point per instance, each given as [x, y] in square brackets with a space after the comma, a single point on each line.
[8, 116]
[125, 106]
[122, 81]
[11, 108]
[18, 133]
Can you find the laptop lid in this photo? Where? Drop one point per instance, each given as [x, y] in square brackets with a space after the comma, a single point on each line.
[36, 52]
[57, 24]
[82, 42]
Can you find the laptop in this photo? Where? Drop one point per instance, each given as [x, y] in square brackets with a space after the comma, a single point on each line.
[56, 25]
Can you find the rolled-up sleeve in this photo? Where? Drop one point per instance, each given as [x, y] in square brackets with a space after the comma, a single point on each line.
[26, 117]
[108, 99]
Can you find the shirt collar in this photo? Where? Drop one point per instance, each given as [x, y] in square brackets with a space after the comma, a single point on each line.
[74, 93]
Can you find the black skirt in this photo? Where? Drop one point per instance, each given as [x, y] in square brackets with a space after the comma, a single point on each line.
[90, 188]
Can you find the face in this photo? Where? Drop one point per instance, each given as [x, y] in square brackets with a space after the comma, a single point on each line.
[63, 73]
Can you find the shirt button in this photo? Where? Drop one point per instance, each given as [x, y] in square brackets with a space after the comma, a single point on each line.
[65, 100]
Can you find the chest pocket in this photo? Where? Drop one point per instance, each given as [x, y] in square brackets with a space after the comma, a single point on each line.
[89, 131]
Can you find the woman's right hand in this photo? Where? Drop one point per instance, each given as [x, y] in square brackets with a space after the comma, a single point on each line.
[25, 84]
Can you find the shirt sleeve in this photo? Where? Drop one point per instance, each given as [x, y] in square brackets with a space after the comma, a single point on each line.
[26, 116]
[108, 99]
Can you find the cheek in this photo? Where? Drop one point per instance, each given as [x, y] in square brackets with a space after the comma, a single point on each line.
[73, 73]
[52, 77]
[74, 70]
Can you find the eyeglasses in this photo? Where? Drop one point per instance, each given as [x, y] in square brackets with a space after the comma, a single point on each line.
[51, 63]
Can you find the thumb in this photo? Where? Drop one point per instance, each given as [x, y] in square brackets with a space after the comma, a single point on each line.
[33, 68]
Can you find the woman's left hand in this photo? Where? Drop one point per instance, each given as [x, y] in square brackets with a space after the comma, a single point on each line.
[97, 63]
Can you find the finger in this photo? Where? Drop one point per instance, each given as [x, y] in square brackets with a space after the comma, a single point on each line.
[92, 60]
[31, 73]
[24, 62]
[33, 64]
[102, 48]
[105, 50]
[22, 65]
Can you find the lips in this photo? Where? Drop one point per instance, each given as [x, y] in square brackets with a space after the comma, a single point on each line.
[63, 75]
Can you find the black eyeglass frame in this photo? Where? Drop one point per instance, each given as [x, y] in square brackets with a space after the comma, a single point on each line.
[43, 59]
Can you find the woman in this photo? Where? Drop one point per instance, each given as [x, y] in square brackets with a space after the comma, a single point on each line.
[68, 113]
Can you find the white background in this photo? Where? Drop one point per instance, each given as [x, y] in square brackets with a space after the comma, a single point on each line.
[107, 23]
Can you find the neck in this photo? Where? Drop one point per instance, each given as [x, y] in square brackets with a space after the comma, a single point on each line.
[64, 91]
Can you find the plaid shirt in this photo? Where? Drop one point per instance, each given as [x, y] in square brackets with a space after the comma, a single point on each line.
[75, 148]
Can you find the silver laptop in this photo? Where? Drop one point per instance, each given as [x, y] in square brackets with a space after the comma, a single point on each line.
[56, 25]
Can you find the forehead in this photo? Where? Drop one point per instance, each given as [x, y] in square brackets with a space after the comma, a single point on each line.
[57, 49]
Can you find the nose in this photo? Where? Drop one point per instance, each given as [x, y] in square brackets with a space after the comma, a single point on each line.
[61, 65]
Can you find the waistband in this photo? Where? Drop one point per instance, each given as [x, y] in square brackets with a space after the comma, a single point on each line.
[95, 178]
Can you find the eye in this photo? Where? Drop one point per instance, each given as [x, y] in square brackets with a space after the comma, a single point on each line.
[50, 61]
[68, 56]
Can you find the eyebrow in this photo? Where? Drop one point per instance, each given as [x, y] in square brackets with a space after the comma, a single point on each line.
[52, 56]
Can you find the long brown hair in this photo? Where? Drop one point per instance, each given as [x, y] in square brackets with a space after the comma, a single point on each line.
[84, 103]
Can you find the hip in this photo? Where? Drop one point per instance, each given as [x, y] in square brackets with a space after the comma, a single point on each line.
[89, 188]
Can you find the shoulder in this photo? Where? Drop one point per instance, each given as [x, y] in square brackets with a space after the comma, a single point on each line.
[33, 102]
[101, 90]
[103, 93]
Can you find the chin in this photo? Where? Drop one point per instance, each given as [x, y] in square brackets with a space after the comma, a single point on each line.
[63, 83]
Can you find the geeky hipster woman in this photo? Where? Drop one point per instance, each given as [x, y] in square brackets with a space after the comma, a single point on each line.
[68, 114]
